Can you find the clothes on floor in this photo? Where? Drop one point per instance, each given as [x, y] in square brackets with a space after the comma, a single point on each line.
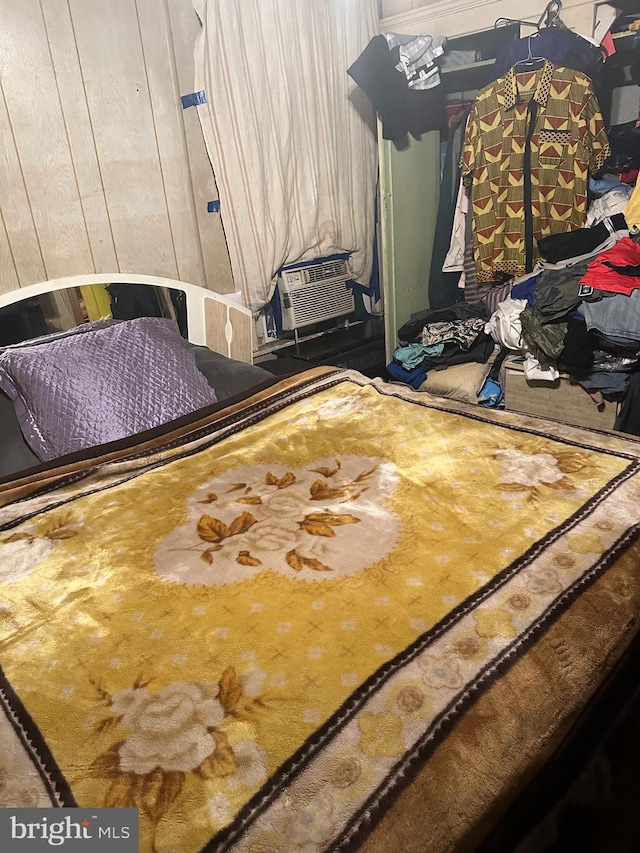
[525, 287]
[460, 332]
[632, 210]
[579, 346]
[491, 395]
[584, 242]
[480, 351]
[616, 319]
[559, 292]
[612, 385]
[410, 331]
[414, 354]
[611, 204]
[628, 419]
[617, 269]
[414, 377]
[505, 326]
[495, 294]
[545, 341]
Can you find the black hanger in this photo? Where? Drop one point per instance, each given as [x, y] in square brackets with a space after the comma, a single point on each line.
[551, 15]
[549, 18]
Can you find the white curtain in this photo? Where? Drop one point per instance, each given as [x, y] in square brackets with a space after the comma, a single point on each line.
[291, 142]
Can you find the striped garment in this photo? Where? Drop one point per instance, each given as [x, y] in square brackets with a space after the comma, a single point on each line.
[531, 141]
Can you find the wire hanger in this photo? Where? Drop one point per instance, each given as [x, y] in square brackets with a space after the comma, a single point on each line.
[530, 61]
[505, 22]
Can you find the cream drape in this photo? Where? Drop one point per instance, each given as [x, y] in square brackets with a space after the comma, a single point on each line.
[290, 140]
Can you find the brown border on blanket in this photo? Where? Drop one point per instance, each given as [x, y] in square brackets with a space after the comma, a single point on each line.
[572, 660]
[35, 746]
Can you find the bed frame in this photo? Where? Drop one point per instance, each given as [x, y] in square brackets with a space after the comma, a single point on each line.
[217, 321]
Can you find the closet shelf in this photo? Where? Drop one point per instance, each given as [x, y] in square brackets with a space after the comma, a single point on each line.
[481, 63]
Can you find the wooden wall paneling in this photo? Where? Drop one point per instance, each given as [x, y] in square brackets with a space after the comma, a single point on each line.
[153, 18]
[38, 128]
[66, 64]
[185, 27]
[20, 255]
[112, 61]
[8, 273]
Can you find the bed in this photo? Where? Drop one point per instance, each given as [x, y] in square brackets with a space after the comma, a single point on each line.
[329, 613]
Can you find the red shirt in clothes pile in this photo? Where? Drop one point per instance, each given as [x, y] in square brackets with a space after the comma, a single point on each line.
[617, 269]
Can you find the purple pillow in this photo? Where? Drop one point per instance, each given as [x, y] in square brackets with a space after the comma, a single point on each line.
[107, 381]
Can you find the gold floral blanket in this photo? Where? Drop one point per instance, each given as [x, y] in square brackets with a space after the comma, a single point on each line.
[257, 628]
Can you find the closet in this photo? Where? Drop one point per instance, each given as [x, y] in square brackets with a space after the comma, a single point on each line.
[409, 190]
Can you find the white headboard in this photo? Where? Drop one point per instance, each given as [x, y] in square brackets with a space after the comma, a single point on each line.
[214, 320]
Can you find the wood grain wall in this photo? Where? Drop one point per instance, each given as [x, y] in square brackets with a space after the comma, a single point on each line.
[101, 170]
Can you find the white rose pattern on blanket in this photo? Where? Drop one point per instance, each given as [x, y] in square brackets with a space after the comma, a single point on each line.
[299, 522]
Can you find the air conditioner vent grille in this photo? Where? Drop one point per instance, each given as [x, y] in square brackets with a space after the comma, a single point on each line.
[315, 303]
[327, 270]
[314, 293]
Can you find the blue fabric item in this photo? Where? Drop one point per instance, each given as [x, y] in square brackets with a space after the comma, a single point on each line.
[609, 383]
[414, 377]
[413, 354]
[616, 318]
[525, 290]
[606, 184]
[491, 395]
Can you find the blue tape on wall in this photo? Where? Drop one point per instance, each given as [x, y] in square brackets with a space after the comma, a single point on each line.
[193, 99]
[213, 206]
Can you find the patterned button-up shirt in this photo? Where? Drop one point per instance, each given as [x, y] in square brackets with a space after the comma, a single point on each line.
[531, 141]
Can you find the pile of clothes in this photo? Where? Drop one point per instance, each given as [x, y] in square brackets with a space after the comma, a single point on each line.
[579, 312]
[439, 338]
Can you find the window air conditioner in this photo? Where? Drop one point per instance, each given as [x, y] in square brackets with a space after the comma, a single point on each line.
[316, 292]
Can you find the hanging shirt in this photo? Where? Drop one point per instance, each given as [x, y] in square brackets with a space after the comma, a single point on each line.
[417, 58]
[531, 141]
[402, 109]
